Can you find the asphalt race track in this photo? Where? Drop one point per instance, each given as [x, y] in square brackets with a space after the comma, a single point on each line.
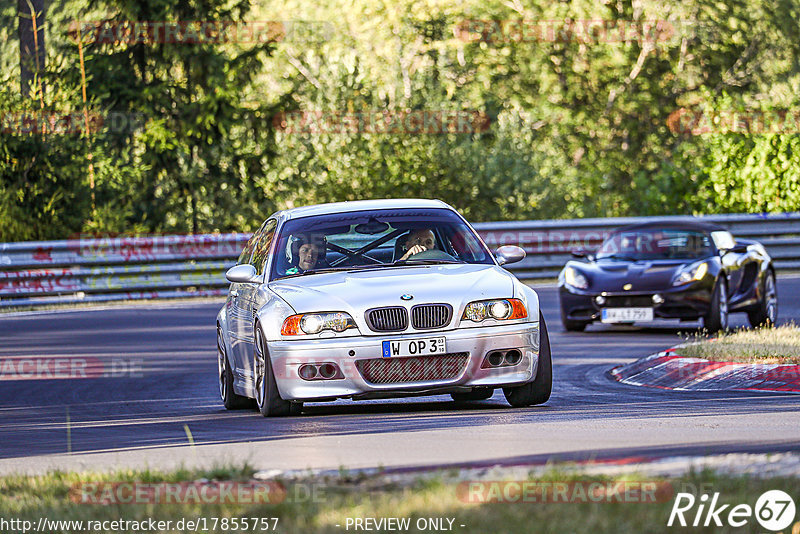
[141, 419]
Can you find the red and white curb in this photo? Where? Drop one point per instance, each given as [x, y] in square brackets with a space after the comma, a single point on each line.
[669, 370]
[756, 465]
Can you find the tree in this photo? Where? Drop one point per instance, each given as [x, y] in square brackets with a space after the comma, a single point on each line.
[191, 167]
[31, 20]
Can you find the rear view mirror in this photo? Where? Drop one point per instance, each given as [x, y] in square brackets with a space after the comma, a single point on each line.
[509, 254]
[242, 274]
[372, 227]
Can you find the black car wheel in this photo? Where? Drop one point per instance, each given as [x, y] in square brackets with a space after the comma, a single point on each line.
[230, 399]
[767, 311]
[717, 317]
[538, 390]
[268, 399]
[476, 394]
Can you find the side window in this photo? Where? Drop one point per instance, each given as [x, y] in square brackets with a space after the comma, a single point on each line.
[247, 251]
[261, 252]
[465, 246]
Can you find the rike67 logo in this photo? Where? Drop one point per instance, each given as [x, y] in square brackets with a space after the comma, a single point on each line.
[774, 510]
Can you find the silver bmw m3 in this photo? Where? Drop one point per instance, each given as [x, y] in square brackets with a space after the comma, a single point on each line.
[377, 299]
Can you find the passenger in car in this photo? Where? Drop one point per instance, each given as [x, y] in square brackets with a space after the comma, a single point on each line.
[308, 252]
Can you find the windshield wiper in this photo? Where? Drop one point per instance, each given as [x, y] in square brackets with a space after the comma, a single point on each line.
[424, 261]
[352, 268]
[619, 257]
[318, 271]
[338, 269]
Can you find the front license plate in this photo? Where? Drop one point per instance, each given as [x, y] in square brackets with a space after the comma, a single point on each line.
[414, 347]
[626, 315]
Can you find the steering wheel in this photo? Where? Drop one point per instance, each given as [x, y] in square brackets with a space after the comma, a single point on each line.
[432, 254]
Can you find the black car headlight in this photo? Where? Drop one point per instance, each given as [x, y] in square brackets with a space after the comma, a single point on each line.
[575, 278]
[692, 274]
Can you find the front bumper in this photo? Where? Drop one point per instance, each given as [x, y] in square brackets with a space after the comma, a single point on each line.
[288, 356]
[683, 302]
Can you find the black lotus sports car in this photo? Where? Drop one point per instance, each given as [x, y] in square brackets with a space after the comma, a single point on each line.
[685, 269]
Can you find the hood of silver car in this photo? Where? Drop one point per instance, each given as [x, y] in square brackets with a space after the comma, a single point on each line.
[357, 291]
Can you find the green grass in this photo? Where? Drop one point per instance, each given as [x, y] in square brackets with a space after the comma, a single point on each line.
[338, 498]
[761, 345]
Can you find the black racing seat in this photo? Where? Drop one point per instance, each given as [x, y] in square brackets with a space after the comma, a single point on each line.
[400, 246]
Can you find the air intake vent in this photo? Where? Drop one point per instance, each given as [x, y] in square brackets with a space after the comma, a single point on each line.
[626, 302]
[394, 319]
[414, 369]
[429, 316]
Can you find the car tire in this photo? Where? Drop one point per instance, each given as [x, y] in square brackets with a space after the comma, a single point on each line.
[230, 399]
[767, 311]
[571, 325]
[268, 398]
[717, 317]
[538, 390]
[477, 394]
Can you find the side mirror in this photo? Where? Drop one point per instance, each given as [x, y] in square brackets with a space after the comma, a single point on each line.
[242, 274]
[578, 253]
[509, 254]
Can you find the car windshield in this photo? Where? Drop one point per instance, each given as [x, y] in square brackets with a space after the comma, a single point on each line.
[375, 239]
[656, 244]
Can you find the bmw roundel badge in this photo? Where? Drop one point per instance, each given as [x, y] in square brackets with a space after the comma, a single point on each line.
[406, 297]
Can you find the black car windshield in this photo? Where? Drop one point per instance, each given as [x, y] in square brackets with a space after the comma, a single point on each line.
[375, 239]
[656, 244]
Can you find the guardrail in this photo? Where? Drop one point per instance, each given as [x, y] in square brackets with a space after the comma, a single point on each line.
[152, 267]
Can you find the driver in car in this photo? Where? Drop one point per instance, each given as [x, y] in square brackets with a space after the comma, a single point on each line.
[419, 241]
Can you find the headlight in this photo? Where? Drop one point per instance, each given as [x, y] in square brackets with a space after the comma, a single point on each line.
[500, 309]
[314, 323]
[575, 279]
[691, 275]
